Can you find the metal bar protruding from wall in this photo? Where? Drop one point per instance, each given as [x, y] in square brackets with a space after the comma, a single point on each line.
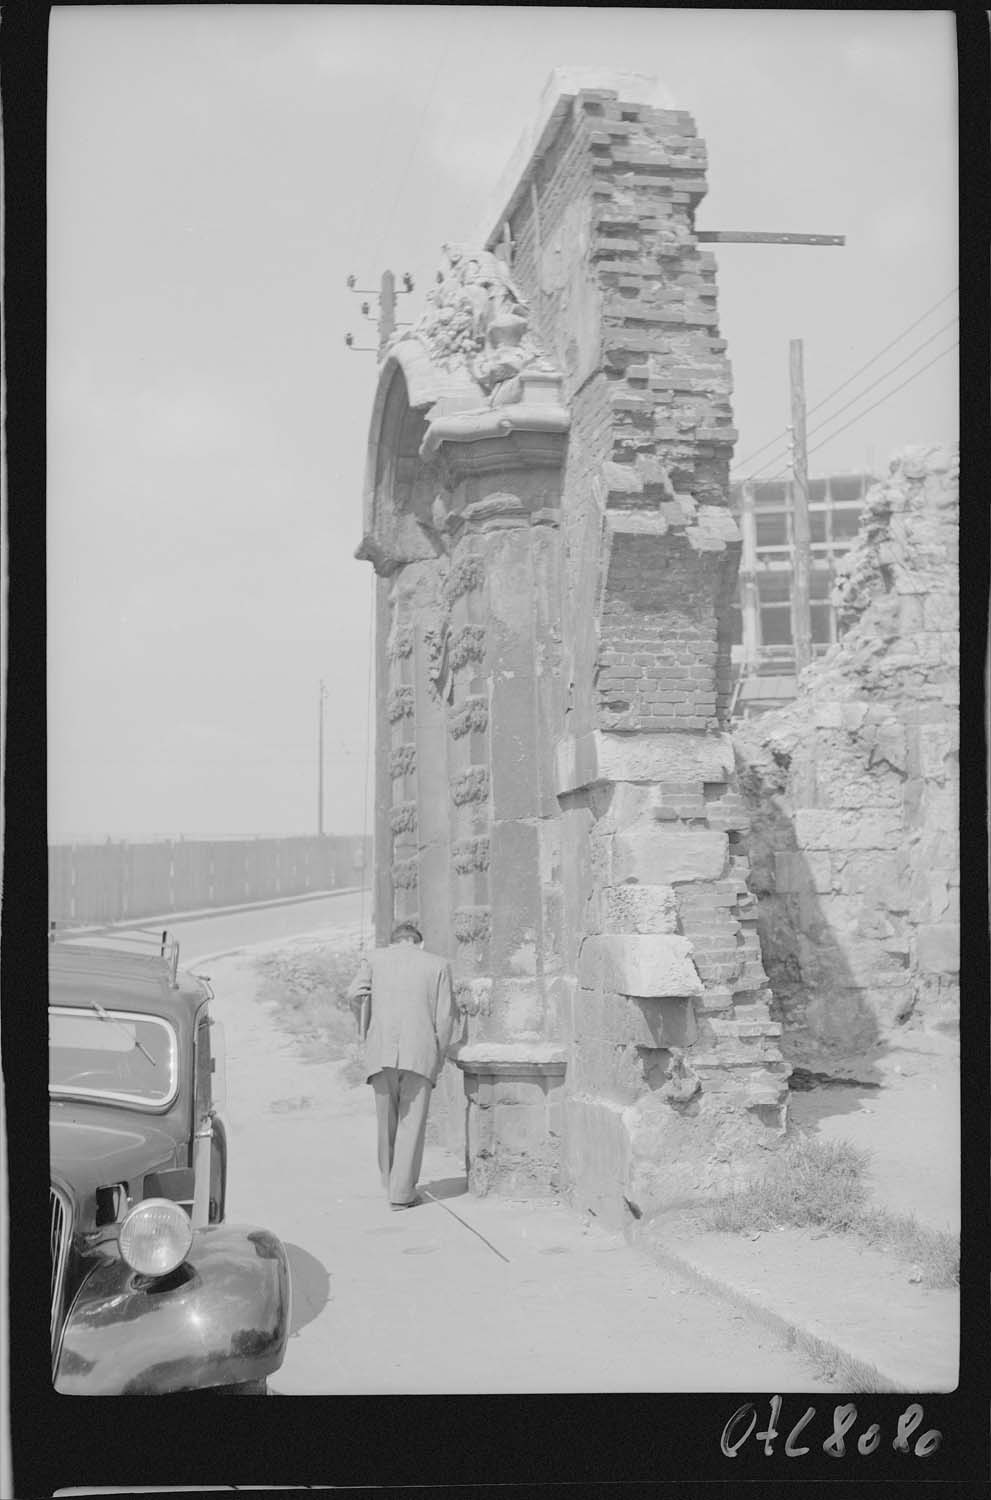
[756, 237]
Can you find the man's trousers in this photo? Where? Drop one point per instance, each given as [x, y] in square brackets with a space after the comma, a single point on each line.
[402, 1100]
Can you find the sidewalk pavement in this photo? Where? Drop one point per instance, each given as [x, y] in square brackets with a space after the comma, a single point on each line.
[846, 1305]
[517, 1297]
[855, 1307]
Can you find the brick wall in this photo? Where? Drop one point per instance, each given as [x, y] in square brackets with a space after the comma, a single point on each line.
[664, 1095]
[658, 645]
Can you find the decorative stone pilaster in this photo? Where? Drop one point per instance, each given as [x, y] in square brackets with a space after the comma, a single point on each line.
[463, 490]
[501, 467]
[401, 710]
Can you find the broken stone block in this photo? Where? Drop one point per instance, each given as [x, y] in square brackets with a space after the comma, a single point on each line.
[936, 743]
[890, 745]
[815, 829]
[849, 783]
[643, 964]
[601, 756]
[659, 854]
[639, 909]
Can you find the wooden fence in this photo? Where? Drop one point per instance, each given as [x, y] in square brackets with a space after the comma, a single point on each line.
[117, 881]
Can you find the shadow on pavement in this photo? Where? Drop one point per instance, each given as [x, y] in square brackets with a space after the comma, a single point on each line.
[446, 1187]
[310, 1287]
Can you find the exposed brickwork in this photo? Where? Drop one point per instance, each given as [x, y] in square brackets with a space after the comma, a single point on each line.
[658, 653]
[647, 483]
[667, 379]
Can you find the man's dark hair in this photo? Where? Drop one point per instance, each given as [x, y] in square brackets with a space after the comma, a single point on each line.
[406, 932]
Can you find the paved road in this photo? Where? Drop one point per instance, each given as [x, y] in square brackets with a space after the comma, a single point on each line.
[516, 1298]
[207, 935]
[204, 935]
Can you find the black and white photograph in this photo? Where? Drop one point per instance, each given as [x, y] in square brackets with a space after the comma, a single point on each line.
[502, 686]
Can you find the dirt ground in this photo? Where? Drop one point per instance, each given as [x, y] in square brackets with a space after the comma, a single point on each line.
[911, 1126]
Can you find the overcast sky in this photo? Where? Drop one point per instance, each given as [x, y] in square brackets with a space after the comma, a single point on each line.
[215, 173]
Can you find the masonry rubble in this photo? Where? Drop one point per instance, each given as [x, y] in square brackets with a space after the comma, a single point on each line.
[853, 789]
[546, 510]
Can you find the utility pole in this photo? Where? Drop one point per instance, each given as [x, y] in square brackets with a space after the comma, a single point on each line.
[323, 698]
[801, 614]
[387, 309]
[749, 607]
[386, 321]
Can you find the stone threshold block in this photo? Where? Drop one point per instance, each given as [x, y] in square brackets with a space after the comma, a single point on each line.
[514, 1092]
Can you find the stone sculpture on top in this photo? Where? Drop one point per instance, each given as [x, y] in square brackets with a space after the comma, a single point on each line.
[477, 317]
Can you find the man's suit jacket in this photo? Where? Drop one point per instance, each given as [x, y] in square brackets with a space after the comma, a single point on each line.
[412, 1009]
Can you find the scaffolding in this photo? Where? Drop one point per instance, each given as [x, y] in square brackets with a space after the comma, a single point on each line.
[763, 651]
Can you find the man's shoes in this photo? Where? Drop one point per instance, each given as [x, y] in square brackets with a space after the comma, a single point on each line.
[411, 1204]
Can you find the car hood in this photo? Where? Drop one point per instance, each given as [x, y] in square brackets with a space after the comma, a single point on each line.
[91, 1146]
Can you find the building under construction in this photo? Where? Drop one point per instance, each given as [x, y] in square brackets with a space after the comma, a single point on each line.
[764, 626]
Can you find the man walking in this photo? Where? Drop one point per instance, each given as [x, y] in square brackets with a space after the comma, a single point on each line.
[403, 999]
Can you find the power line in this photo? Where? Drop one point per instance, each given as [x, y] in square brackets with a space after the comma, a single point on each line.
[842, 386]
[858, 397]
[770, 462]
[854, 399]
[442, 56]
[758, 451]
[783, 473]
[877, 356]
[881, 399]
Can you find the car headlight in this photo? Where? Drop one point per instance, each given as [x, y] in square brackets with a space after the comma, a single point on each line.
[155, 1237]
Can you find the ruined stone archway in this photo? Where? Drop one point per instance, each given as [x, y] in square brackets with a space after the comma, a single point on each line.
[555, 783]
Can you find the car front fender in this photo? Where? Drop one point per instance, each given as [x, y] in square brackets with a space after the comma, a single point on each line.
[221, 1318]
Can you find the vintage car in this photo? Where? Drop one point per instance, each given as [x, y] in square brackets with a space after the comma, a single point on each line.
[152, 1291]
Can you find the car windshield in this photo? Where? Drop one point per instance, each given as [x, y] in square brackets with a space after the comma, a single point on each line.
[112, 1054]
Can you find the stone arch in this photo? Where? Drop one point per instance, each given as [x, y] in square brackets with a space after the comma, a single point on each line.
[400, 484]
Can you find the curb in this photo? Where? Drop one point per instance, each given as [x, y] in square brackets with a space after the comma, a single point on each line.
[852, 1372]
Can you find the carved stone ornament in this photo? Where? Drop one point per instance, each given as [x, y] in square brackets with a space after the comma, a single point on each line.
[439, 669]
[477, 317]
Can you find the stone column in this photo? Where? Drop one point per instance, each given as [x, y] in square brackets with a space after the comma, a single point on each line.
[504, 496]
